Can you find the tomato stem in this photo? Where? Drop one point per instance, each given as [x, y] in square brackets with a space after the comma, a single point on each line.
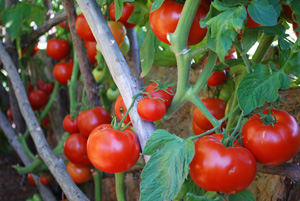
[244, 57]
[30, 168]
[203, 134]
[120, 186]
[262, 48]
[72, 87]
[97, 176]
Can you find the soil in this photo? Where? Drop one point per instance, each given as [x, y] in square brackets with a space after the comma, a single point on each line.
[13, 187]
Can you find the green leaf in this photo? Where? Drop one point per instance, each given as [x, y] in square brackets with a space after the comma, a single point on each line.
[223, 28]
[249, 38]
[189, 186]
[36, 14]
[140, 14]
[156, 5]
[245, 195]
[167, 168]
[262, 12]
[293, 65]
[164, 56]
[12, 19]
[228, 63]
[260, 86]
[118, 9]
[202, 198]
[148, 50]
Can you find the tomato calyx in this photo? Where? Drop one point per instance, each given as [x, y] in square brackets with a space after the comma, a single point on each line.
[162, 86]
[180, 1]
[267, 119]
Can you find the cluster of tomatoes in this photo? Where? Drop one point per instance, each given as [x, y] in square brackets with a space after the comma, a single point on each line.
[45, 179]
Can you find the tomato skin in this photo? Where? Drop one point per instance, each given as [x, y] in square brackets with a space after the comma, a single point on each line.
[127, 11]
[38, 99]
[29, 87]
[120, 110]
[216, 78]
[63, 25]
[118, 30]
[111, 150]
[45, 179]
[9, 114]
[62, 72]
[57, 48]
[217, 109]
[197, 130]
[251, 23]
[45, 122]
[83, 29]
[75, 149]
[71, 126]
[168, 97]
[151, 109]
[165, 19]
[91, 51]
[46, 87]
[272, 145]
[31, 180]
[33, 51]
[90, 119]
[223, 169]
[79, 173]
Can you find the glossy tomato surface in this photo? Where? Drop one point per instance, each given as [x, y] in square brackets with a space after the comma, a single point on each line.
[216, 78]
[90, 119]
[83, 29]
[45, 179]
[70, 125]
[165, 19]
[57, 48]
[46, 87]
[75, 149]
[118, 30]
[272, 144]
[111, 150]
[151, 109]
[62, 72]
[127, 11]
[166, 93]
[120, 110]
[33, 51]
[38, 99]
[217, 109]
[30, 179]
[91, 51]
[79, 173]
[223, 169]
[63, 25]
[9, 114]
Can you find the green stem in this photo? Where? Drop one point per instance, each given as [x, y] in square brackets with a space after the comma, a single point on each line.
[193, 53]
[59, 149]
[72, 86]
[203, 134]
[244, 57]
[292, 52]
[238, 125]
[120, 186]
[97, 175]
[25, 147]
[30, 168]
[262, 48]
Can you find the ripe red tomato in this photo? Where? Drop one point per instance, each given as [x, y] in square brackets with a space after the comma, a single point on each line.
[251, 23]
[57, 48]
[288, 12]
[83, 29]
[217, 109]
[151, 109]
[157, 90]
[120, 110]
[45, 122]
[197, 130]
[63, 25]
[33, 51]
[71, 126]
[31, 180]
[223, 169]
[9, 114]
[46, 87]
[272, 144]
[217, 77]
[112, 150]
[37, 99]
[118, 30]
[91, 51]
[127, 11]
[75, 149]
[79, 173]
[165, 19]
[62, 72]
[45, 179]
[90, 119]
[205, 4]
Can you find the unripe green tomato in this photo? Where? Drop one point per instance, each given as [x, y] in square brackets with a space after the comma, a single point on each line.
[37, 197]
[98, 74]
[125, 46]
[112, 95]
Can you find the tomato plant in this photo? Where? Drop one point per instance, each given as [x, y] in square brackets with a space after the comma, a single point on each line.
[161, 90]
[165, 19]
[275, 142]
[151, 109]
[127, 11]
[70, 125]
[62, 72]
[118, 30]
[37, 99]
[223, 169]
[79, 173]
[120, 110]
[91, 51]
[31, 180]
[57, 48]
[90, 119]
[75, 149]
[83, 29]
[45, 179]
[46, 87]
[112, 150]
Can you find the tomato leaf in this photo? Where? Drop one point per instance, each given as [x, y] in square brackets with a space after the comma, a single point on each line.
[202, 198]
[223, 28]
[140, 14]
[249, 38]
[245, 195]
[118, 9]
[262, 12]
[12, 19]
[260, 86]
[293, 65]
[167, 168]
[156, 5]
[148, 50]
[36, 14]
